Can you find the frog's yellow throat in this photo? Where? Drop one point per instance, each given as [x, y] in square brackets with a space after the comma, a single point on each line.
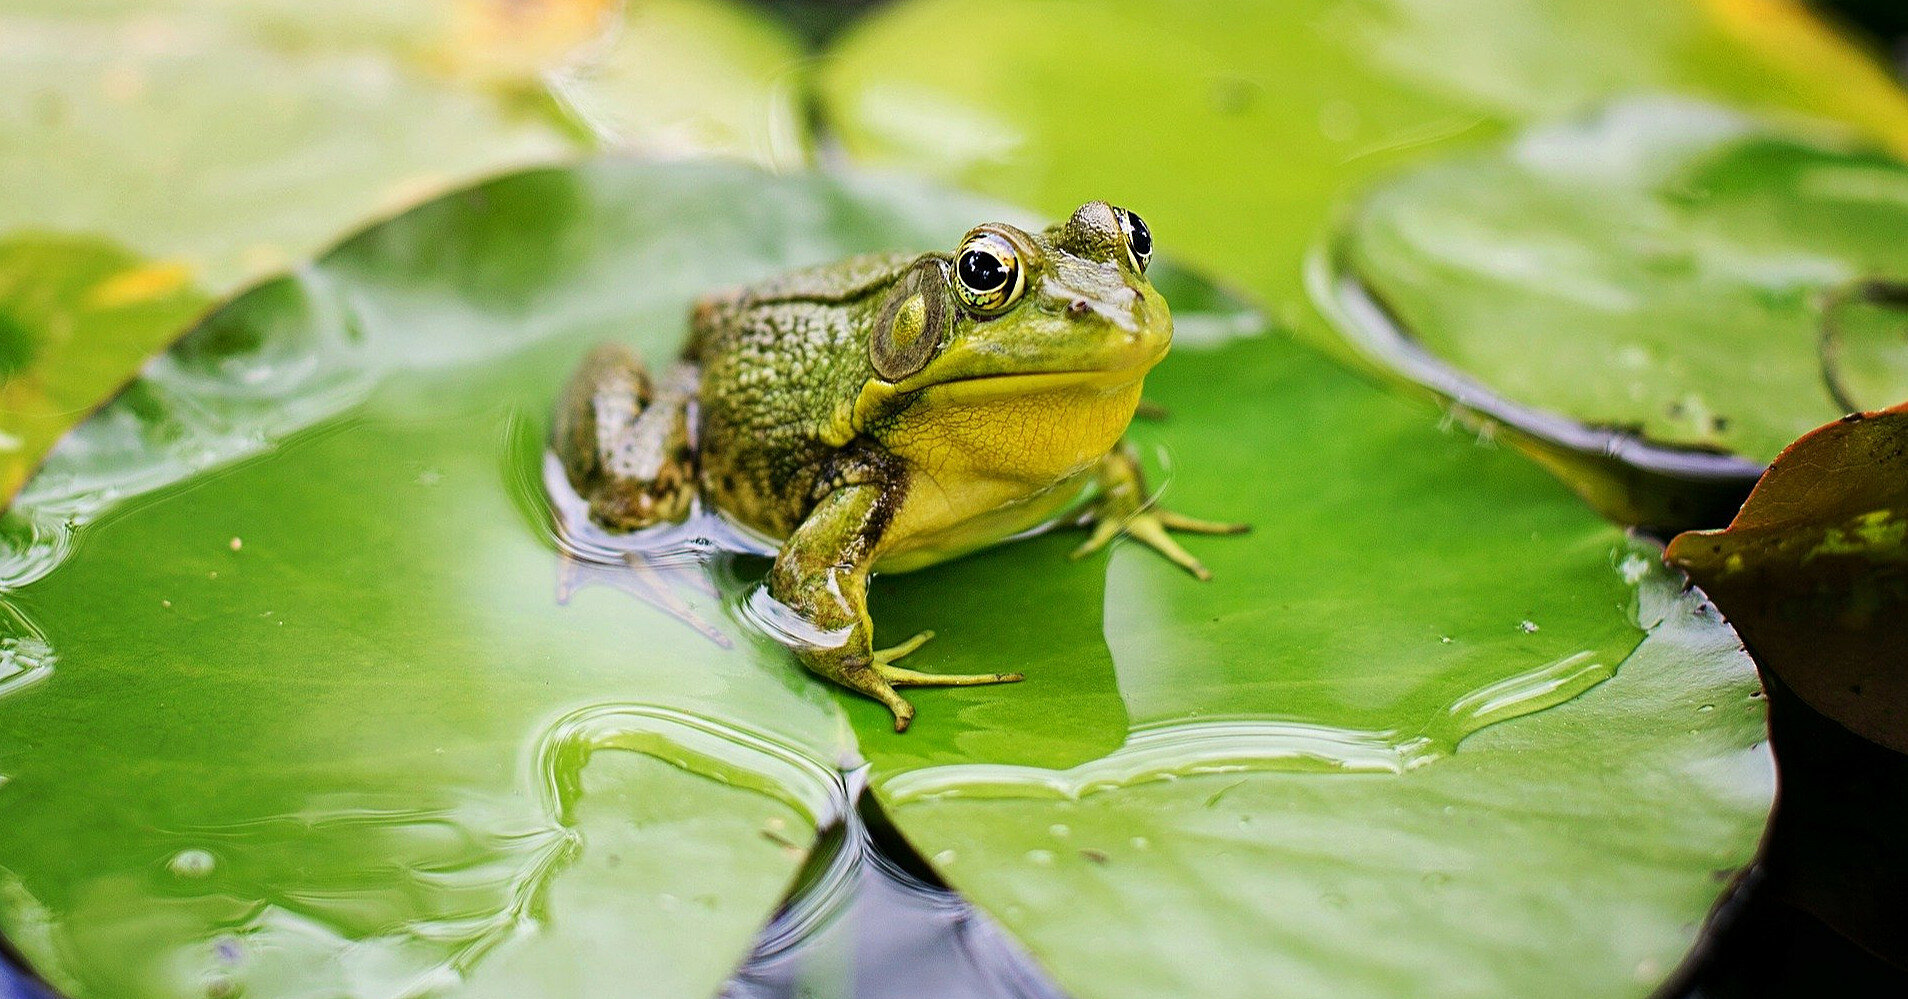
[990, 457]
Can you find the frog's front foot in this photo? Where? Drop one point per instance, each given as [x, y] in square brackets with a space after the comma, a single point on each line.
[1124, 508]
[878, 678]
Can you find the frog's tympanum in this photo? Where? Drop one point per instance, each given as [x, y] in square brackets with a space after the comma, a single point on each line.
[889, 412]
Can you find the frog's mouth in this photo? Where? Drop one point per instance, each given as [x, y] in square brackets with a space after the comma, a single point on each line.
[978, 388]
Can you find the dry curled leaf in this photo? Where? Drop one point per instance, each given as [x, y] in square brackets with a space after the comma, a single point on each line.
[1814, 571]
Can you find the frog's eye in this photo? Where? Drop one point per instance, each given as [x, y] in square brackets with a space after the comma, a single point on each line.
[1139, 239]
[988, 274]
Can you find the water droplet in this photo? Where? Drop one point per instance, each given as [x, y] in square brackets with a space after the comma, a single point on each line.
[1707, 707]
[1059, 829]
[192, 863]
[1042, 857]
[1527, 627]
[237, 543]
[1141, 843]
[945, 857]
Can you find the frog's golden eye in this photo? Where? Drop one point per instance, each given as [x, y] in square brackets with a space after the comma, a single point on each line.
[988, 274]
[1139, 239]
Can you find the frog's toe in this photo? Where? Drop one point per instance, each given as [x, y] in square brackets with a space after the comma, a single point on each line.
[1193, 525]
[1103, 532]
[902, 677]
[903, 711]
[1150, 529]
[883, 657]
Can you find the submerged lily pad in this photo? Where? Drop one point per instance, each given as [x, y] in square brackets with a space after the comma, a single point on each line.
[1670, 270]
[333, 701]
[77, 317]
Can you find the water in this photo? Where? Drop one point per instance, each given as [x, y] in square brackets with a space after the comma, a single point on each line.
[872, 922]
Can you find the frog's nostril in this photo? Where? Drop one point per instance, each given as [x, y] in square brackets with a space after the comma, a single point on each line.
[1078, 307]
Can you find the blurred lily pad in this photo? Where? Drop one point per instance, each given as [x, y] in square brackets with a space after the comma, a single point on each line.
[76, 318]
[226, 141]
[1814, 571]
[1241, 126]
[1671, 272]
[1248, 128]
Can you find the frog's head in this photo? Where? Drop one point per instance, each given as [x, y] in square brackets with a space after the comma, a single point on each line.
[1020, 356]
[1072, 300]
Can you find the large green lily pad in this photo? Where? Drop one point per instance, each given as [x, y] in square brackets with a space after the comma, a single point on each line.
[323, 705]
[1339, 778]
[340, 719]
[1674, 265]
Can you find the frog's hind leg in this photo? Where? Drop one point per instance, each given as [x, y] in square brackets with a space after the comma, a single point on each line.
[627, 442]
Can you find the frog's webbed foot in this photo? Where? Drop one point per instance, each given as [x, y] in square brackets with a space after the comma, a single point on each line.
[625, 440]
[1124, 508]
[880, 678]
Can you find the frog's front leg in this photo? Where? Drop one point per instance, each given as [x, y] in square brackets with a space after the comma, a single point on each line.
[1123, 507]
[822, 575]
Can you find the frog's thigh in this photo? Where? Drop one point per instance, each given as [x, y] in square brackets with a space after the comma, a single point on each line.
[625, 440]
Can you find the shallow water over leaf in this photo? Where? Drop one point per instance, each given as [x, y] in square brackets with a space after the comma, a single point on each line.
[318, 698]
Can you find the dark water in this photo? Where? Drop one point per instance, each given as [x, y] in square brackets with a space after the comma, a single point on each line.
[872, 922]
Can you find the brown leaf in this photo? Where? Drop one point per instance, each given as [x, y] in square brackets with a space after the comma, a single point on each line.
[1813, 572]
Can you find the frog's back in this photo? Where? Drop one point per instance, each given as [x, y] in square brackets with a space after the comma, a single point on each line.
[778, 360]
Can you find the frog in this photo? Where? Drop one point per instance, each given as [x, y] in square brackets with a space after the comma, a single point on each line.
[890, 412]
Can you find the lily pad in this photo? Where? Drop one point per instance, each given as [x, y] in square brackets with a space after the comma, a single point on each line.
[1678, 268]
[1243, 126]
[1250, 128]
[76, 318]
[220, 142]
[348, 716]
[1340, 777]
[356, 711]
[1814, 571]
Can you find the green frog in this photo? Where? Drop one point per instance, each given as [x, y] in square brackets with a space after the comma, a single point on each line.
[889, 412]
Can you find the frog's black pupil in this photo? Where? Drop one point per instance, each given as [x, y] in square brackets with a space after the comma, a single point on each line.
[1141, 238]
[982, 271]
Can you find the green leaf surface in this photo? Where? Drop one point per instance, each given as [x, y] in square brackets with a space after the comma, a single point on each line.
[76, 318]
[349, 720]
[1672, 263]
[1244, 132]
[1237, 128]
[1339, 779]
[340, 718]
[224, 141]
